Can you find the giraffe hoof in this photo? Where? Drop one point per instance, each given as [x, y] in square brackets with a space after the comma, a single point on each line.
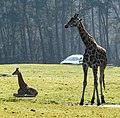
[81, 103]
[92, 101]
[102, 100]
[98, 104]
[15, 94]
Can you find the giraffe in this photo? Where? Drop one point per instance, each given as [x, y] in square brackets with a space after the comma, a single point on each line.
[94, 57]
[24, 90]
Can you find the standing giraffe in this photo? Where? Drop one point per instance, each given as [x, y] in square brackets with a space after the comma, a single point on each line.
[24, 90]
[94, 56]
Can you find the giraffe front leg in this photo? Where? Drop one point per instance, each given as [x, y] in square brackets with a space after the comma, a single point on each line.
[95, 68]
[84, 86]
[93, 97]
[85, 69]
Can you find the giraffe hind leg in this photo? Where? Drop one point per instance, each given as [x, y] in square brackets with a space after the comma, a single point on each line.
[31, 92]
[102, 99]
[102, 82]
[96, 88]
[95, 69]
[93, 97]
[102, 96]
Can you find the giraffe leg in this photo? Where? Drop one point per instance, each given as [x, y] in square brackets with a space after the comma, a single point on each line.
[85, 69]
[32, 92]
[21, 92]
[95, 69]
[101, 80]
[93, 97]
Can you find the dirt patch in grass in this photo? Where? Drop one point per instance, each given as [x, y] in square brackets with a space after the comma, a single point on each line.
[4, 75]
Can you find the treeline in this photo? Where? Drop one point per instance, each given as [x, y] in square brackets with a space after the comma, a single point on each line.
[32, 31]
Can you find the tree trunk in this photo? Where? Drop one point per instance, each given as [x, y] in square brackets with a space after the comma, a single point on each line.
[23, 36]
[13, 33]
[28, 33]
[92, 12]
[56, 29]
[40, 34]
[50, 35]
[63, 28]
[106, 31]
[100, 22]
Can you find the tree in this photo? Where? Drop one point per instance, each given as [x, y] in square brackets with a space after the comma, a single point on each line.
[56, 31]
[32, 31]
[63, 28]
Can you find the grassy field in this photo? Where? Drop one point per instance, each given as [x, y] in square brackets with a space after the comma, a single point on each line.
[59, 88]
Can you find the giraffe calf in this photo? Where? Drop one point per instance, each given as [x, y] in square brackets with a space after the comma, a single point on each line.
[24, 90]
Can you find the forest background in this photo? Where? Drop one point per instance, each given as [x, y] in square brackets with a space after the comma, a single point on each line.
[32, 31]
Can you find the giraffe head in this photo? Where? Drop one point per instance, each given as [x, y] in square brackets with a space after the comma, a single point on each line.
[16, 71]
[73, 22]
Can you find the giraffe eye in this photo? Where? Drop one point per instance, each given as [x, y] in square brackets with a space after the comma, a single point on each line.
[73, 21]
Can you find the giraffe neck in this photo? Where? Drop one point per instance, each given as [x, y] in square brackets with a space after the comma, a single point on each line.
[87, 39]
[21, 82]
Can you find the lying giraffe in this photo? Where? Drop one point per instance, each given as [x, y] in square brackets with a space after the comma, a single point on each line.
[94, 56]
[24, 90]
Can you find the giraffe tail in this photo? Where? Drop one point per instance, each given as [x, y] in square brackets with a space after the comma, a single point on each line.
[103, 81]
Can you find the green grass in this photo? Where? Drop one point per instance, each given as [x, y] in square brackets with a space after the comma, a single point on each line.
[59, 88]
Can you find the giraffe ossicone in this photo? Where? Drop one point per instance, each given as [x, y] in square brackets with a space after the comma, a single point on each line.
[94, 57]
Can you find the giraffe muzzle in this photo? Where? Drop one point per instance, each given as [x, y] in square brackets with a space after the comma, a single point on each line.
[66, 26]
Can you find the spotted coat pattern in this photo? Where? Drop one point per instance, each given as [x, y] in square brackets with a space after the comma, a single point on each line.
[94, 56]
